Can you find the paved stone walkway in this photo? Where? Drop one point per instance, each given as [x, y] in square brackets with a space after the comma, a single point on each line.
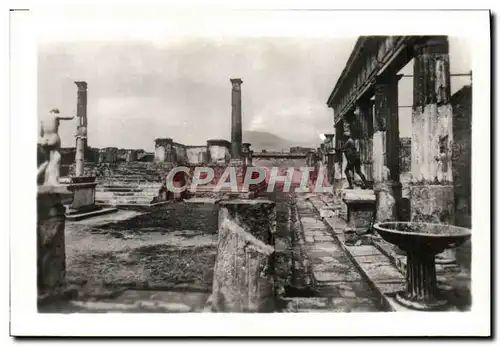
[338, 283]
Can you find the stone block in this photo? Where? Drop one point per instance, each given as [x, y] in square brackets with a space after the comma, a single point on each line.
[51, 255]
[432, 203]
[360, 209]
[244, 273]
[349, 289]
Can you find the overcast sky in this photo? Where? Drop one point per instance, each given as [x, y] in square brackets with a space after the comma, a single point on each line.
[142, 86]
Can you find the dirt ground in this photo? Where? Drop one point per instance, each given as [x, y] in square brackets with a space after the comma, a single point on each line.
[122, 253]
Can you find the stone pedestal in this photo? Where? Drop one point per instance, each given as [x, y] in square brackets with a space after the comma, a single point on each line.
[360, 209]
[83, 204]
[244, 273]
[51, 255]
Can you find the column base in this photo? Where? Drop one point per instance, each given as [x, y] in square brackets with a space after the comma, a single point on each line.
[436, 304]
[434, 203]
[388, 196]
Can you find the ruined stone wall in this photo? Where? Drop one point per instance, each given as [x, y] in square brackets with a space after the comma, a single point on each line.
[191, 216]
[279, 162]
[196, 154]
[181, 156]
[462, 152]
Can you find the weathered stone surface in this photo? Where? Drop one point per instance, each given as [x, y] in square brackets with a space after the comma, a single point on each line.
[244, 274]
[348, 289]
[330, 305]
[51, 256]
[363, 250]
[388, 200]
[339, 272]
[381, 272]
[360, 208]
[432, 203]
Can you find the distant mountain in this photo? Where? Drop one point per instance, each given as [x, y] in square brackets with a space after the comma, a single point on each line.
[271, 142]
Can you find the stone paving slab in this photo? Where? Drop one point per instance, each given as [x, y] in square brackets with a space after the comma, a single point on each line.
[364, 250]
[382, 272]
[341, 273]
[346, 289]
[376, 258]
[330, 305]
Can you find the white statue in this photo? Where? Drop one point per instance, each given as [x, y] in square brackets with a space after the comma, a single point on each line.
[51, 144]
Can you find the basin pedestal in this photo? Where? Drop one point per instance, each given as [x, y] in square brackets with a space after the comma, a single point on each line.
[421, 242]
[421, 292]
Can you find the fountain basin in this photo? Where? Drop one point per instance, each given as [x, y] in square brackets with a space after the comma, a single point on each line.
[421, 242]
[411, 236]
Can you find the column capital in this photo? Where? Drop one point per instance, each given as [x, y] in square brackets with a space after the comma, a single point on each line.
[82, 85]
[432, 45]
[236, 82]
[386, 79]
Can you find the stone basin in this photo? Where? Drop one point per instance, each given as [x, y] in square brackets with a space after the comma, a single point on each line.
[421, 242]
[411, 236]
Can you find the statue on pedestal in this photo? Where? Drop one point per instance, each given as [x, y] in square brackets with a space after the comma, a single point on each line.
[50, 144]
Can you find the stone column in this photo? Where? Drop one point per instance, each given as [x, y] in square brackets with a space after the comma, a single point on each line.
[339, 171]
[330, 156]
[431, 190]
[365, 116]
[247, 154]
[386, 149]
[236, 127]
[81, 135]
[244, 272]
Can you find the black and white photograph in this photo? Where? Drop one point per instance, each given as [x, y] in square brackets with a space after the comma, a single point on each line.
[210, 172]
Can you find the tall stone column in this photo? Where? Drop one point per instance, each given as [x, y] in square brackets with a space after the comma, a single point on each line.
[365, 115]
[330, 159]
[338, 166]
[81, 135]
[236, 126]
[386, 149]
[431, 190]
